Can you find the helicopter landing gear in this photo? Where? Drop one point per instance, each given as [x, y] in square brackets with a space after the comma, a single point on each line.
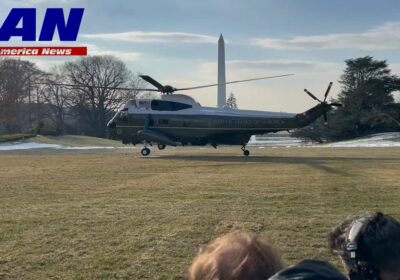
[145, 151]
[161, 146]
[245, 152]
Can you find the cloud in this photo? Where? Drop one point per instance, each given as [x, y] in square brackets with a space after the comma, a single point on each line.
[281, 64]
[46, 63]
[155, 37]
[274, 67]
[124, 56]
[384, 37]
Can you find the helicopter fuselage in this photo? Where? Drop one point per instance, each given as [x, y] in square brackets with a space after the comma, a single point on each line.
[179, 120]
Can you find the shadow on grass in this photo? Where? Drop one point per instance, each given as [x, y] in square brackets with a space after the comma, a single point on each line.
[272, 159]
[320, 163]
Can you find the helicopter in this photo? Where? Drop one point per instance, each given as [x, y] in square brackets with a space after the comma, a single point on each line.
[178, 120]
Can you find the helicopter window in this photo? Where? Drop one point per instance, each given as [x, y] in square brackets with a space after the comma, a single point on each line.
[144, 104]
[162, 105]
[162, 121]
[123, 117]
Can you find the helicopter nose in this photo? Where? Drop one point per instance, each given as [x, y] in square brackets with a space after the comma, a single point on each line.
[111, 124]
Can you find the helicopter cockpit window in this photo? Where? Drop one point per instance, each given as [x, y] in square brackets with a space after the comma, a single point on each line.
[162, 105]
[122, 116]
[144, 104]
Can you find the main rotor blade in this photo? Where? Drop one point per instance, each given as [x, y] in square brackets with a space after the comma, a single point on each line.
[336, 104]
[233, 82]
[152, 81]
[312, 95]
[100, 87]
[327, 90]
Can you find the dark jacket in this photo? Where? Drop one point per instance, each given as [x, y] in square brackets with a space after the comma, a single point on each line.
[311, 270]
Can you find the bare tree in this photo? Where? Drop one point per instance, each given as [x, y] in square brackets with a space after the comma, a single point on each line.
[15, 87]
[57, 97]
[96, 105]
[134, 82]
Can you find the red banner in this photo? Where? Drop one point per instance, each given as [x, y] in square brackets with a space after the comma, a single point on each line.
[43, 51]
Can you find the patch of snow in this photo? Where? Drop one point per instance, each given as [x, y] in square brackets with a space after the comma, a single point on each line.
[32, 145]
[389, 139]
[277, 141]
[27, 146]
[86, 148]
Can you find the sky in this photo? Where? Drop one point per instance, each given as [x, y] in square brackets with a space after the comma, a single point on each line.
[175, 42]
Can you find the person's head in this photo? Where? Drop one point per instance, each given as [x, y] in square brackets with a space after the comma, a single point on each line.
[369, 246]
[309, 270]
[236, 256]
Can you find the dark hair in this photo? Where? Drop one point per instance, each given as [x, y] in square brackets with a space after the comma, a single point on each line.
[378, 244]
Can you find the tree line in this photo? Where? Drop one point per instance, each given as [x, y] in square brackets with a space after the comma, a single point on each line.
[26, 105]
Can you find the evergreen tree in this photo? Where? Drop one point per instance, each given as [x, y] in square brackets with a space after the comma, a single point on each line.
[231, 101]
[367, 92]
[368, 104]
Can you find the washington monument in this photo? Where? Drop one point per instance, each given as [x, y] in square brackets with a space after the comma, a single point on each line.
[221, 73]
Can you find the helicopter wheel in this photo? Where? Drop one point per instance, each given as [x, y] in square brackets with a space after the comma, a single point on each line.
[145, 152]
[245, 152]
[161, 146]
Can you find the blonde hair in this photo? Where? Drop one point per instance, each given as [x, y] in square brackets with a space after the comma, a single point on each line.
[236, 256]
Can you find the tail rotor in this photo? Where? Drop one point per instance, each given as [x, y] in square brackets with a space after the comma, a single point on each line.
[327, 91]
[327, 105]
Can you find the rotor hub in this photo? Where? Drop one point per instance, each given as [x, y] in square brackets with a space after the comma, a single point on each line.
[168, 89]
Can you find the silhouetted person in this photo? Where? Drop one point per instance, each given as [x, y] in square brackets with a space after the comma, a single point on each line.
[369, 246]
[236, 256]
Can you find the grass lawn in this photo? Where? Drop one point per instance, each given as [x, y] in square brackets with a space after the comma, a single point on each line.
[117, 215]
[15, 137]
